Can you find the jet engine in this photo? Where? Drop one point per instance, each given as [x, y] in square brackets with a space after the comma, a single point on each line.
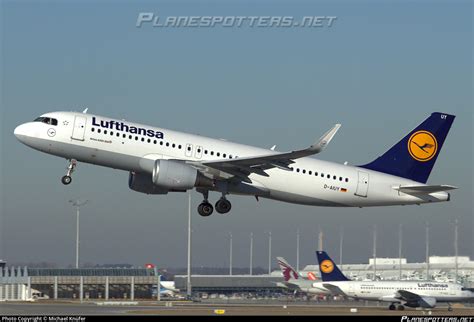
[141, 182]
[178, 176]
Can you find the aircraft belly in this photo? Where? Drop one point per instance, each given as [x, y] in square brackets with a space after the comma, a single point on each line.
[88, 154]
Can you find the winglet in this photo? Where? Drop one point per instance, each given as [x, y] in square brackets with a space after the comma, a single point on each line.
[325, 139]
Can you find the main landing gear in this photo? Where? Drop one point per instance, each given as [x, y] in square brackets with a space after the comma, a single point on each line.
[394, 307]
[205, 209]
[70, 169]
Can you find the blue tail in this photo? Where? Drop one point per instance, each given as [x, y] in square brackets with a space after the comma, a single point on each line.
[415, 155]
[329, 270]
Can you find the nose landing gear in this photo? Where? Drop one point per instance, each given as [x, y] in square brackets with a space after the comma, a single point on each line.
[67, 179]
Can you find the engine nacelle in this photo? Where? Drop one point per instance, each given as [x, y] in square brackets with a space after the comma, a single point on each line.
[178, 176]
[141, 182]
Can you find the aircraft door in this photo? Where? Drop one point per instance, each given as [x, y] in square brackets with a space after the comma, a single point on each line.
[362, 184]
[79, 128]
[189, 150]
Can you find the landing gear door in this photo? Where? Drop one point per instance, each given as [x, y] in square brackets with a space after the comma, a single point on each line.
[79, 128]
[362, 184]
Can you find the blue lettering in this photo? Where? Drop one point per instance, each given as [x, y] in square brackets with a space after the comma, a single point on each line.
[120, 126]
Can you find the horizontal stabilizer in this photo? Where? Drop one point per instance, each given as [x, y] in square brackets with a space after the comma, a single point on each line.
[425, 189]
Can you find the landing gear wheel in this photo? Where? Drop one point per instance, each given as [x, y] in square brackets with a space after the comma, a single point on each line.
[223, 206]
[205, 209]
[392, 307]
[401, 308]
[66, 180]
[70, 169]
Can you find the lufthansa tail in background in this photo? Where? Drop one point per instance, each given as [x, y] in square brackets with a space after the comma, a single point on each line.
[399, 294]
[160, 161]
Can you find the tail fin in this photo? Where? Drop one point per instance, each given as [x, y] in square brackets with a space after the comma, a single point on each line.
[329, 271]
[415, 155]
[289, 273]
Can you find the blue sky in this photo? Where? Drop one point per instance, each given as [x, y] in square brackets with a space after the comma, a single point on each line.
[381, 69]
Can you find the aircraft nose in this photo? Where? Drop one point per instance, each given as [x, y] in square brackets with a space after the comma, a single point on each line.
[20, 131]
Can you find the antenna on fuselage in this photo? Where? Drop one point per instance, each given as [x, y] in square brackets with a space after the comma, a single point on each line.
[85, 110]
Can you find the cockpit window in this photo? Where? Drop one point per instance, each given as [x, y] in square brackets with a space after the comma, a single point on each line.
[47, 120]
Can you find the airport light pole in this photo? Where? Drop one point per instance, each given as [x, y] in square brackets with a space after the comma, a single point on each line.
[375, 252]
[251, 253]
[230, 253]
[341, 241]
[298, 250]
[269, 253]
[427, 252]
[188, 285]
[456, 250]
[78, 204]
[400, 252]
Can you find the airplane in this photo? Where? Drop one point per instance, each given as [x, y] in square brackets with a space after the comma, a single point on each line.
[160, 161]
[167, 288]
[424, 294]
[295, 282]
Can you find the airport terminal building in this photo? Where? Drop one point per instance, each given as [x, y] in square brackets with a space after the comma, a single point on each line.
[23, 283]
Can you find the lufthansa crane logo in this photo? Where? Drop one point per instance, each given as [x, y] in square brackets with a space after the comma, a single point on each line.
[422, 146]
[326, 266]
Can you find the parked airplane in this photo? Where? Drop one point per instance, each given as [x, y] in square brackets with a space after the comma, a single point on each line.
[425, 294]
[294, 281]
[161, 160]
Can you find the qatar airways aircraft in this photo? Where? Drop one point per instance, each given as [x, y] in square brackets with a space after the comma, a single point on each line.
[162, 161]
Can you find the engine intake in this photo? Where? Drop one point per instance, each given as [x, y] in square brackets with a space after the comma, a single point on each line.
[178, 176]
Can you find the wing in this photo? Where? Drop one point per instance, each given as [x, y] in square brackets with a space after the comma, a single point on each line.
[407, 296]
[335, 290]
[424, 189]
[243, 167]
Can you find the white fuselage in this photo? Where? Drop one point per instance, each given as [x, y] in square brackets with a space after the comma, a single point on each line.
[387, 290]
[113, 143]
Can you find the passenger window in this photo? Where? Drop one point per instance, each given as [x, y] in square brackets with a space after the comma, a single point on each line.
[143, 139]
[167, 144]
[297, 169]
[347, 180]
[179, 146]
[310, 172]
[328, 176]
[92, 129]
[98, 130]
[173, 145]
[154, 141]
[148, 140]
[161, 142]
[218, 154]
[304, 171]
[224, 155]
